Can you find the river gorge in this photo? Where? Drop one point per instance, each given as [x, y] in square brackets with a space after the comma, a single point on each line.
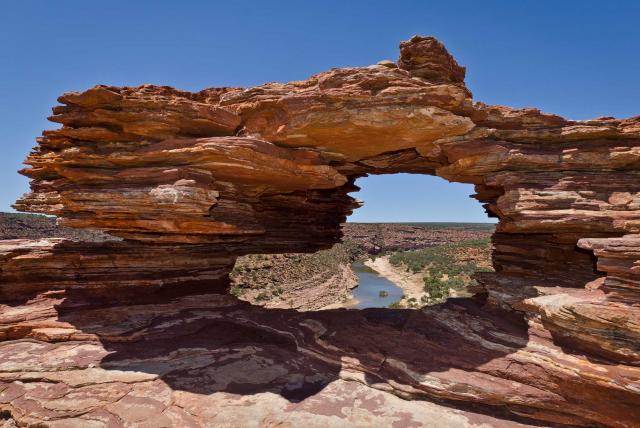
[373, 290]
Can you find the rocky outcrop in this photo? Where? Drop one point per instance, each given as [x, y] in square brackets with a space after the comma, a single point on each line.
[618, 258]
[233, 171]
[387, 237]
[208, 190]
[114, 272]
[296, 280]
[187, 355]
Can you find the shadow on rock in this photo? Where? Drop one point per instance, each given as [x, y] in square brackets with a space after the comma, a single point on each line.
[210, 343]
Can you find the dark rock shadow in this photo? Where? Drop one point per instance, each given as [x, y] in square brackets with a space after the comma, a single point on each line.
[211, 343]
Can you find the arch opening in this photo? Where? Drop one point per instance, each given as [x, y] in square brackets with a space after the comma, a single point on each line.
[416, 240]
[416, 198]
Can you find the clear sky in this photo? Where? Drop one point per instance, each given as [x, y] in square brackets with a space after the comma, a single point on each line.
[580, 59]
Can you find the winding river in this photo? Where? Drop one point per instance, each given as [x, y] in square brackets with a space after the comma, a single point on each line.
[370, 284]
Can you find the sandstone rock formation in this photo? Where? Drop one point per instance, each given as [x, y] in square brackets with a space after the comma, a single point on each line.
[191, 180]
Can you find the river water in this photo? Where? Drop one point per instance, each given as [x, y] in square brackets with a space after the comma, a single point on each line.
[370, 284]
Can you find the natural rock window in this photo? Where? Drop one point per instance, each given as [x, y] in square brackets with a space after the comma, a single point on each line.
[191, 181]
[383, 264]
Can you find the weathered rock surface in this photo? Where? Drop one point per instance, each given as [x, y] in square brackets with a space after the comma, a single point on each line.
[619, 258]
[178, 359]
[221, 189]
[230, 171]
[109, 271]
[296, 280]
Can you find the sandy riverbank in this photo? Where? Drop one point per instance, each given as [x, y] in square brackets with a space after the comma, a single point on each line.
[412, 284]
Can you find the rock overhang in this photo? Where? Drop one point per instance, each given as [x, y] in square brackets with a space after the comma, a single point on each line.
[231, 171]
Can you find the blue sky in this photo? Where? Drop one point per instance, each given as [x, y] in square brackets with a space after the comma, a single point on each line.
[580, 59]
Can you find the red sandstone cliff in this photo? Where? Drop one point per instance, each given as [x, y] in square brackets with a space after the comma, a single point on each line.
[191, 180]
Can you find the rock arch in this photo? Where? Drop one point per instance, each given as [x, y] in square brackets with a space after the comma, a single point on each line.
[192, 180]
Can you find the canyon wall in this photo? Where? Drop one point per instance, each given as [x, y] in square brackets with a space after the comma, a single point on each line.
[189, 181]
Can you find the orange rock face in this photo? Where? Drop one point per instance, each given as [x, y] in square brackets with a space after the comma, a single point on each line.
[191, 180]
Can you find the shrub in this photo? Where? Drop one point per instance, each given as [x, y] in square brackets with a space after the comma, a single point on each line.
[438, 290]
[262, 297]
[442, 270]
[236, 291]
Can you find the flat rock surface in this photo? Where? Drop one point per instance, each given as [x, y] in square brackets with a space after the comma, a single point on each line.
[180, 362]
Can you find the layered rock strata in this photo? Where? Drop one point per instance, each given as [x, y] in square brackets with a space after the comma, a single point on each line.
[114, 272]
[178, 358]
[299, 281]
[230, 171]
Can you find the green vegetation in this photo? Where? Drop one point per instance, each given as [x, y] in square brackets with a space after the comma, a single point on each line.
[440, 257]
[443, 272]
[262, 296]
[270, 278]
[236, 291]
[437, 288]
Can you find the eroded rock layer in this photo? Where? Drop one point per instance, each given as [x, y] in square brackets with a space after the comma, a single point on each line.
[191, 180]
[114, 272]
[175, 359]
